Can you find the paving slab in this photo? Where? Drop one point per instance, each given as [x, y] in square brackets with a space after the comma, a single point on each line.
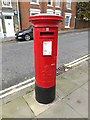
[78, 100]
[80, 73]
[0, 117]
[72, 80]
[60, 110]
[17, 108]
[0, 112]
[65, 86]
[36, 107]
[85, 86]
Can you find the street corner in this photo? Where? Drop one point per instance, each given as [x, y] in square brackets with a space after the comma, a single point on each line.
[37, 107]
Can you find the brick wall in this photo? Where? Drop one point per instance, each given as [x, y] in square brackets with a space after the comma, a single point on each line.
[72, 11]
[82, 24]
[43, 7]
[73, 14]
[25, 12]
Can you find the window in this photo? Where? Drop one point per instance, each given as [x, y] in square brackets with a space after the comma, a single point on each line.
[67, 20]
[58, 12]
[8, 17]
[34, 2]
[50, 11]
[49, 2]
[34, 11]
[6, 3]
[57, 3]
[68, 3]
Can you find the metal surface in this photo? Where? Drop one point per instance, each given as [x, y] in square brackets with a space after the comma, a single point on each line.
[45, 31]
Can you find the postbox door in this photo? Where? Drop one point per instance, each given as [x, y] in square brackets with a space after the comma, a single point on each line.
[45, 57]
[49, 61]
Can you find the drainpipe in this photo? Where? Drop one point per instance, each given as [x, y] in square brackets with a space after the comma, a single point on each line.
[62, 12]
[18, 15]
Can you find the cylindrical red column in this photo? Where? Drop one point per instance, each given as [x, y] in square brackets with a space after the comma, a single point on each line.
[45, 28]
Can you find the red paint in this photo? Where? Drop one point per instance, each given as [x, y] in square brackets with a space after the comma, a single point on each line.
[45, 65]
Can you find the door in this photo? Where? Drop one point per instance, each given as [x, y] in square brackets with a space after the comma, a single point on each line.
[9, 26]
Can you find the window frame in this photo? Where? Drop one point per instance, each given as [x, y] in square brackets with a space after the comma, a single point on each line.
[37, 11]
[50, 11]
[69, 15]
[58, 5]
[58, 11]
[6, 5]
[67, 21]
[36, 3]
[48, 4]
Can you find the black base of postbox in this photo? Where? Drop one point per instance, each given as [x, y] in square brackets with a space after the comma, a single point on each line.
[44, 95]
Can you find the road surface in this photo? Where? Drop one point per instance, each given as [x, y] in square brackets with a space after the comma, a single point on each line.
[18, 57]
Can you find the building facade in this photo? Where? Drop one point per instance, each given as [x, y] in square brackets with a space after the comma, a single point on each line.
[9, 22]
[14, 15]
[66, 8]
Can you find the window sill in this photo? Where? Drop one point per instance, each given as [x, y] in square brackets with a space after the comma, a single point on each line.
[7, 6]
[32, 3]
[49, 5]
[67, 27]
[57, 6]
[57, 14]
[68, 9]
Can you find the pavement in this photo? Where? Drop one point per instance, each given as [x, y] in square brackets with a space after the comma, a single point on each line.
[7, 39]
[10, 39]
[71, 98]
[72, 30]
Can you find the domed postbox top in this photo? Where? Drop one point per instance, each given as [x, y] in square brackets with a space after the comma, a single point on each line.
[45, 19]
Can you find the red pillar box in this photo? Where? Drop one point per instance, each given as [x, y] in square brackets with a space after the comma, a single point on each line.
[45, 28]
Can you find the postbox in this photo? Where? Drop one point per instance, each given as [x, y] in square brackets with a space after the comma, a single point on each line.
[45, 29]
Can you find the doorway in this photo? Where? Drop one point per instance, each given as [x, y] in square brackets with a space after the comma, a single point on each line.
[9, 26]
